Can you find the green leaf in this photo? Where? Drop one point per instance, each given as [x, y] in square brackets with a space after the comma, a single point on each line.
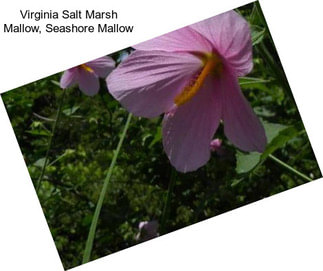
[39, 132]
[251, 81]
[258, 84]
[272, 130]
[257, 34]
[278, 141]
[71, 111]
[277, 136]
[40, 162]
[246, 162]
[263, 112]
[56, 83]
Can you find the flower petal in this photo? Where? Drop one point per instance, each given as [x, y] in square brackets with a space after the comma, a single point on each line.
[147, 82]
[241, 125]
[68, 78]
[188, 131]
[181, 40]
[102, 66]
[88, 82]
[231, 37]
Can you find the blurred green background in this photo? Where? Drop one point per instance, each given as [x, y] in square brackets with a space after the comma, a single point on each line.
[88, 132]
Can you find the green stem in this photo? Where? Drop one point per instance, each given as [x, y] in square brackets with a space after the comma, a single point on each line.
[90, 238]
[59, 110]
[288, 167]
[168, 200]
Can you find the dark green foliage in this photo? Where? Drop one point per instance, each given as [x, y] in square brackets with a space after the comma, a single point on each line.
[88, 132]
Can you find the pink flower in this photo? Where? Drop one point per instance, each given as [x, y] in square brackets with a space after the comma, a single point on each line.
[215, 144]
[192, 75]
[147, 230]
[87, 75]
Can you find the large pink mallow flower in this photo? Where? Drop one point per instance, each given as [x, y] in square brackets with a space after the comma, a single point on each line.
[87, 75]
[191, 75]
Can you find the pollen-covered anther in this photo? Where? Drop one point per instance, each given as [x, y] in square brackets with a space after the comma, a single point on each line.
[87, 68]
[212, 65]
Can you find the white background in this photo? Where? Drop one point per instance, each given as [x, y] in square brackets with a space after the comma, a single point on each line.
[283, 232]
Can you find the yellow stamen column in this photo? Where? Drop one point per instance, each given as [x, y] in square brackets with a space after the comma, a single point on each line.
[212, 64]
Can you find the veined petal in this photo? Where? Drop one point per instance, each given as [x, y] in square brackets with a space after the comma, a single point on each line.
[88, 82]
[181, 40]
[188, 131]
[241, 125]
[68, 78]
[147, 82]
[230, 35]
[102, 66]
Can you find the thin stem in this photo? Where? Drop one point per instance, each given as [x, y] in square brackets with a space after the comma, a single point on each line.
[168, 200]
[90, 238]
[59, 110]
[288, 167]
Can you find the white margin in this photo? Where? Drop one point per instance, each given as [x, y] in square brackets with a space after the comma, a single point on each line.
[283, 232]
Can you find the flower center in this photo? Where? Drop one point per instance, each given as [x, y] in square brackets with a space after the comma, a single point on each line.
[212, 64]
[87, 68]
